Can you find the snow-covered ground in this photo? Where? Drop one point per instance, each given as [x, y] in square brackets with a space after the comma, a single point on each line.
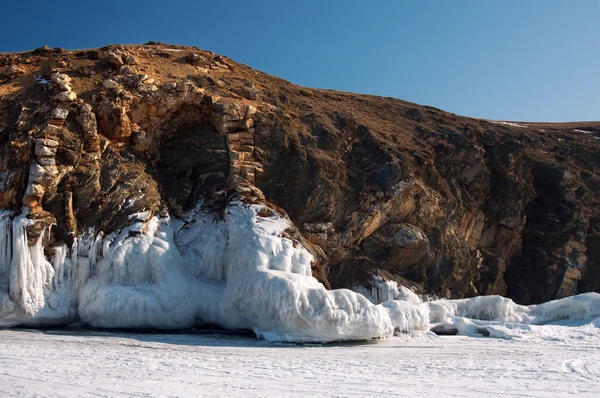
[100, 364]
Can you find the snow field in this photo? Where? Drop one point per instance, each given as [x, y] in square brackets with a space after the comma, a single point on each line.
[101, 364]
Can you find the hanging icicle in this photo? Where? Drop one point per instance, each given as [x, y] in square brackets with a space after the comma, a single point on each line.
[5, 243]
[30, 271]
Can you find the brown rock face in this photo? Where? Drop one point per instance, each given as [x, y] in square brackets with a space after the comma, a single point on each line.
[399, 247]
[375, 186]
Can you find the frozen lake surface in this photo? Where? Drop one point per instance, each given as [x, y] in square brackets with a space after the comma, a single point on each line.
[101, 364]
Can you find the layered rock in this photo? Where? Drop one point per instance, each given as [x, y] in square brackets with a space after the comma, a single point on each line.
[376, 187]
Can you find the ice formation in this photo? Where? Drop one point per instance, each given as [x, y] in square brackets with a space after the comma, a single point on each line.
[382, 290]
[239, 272]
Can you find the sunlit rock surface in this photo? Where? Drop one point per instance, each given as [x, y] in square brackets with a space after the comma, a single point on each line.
[162, 186]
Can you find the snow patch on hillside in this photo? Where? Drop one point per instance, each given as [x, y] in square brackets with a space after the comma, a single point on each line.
[510, 124]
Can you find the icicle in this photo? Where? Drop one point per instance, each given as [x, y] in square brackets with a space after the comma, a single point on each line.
[30, 271]
[106, 246]
[46, 272]
[74, 253]
[82, 270]
[59, 298]
[95, 251]
[374, 293]
[5, 242]
[61, 273]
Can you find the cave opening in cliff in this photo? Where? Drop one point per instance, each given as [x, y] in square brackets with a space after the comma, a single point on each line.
[194, 163]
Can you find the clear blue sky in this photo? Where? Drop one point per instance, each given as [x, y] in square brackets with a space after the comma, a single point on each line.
[530, 60]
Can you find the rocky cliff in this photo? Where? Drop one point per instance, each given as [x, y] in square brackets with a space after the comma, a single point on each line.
[375, 188]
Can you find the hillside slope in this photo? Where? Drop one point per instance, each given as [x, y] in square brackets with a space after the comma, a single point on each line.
[376, 188]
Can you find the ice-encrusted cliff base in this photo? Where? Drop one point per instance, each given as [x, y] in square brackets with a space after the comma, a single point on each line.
[240, 272]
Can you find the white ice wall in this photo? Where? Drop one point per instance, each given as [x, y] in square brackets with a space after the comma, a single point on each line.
[239, 272]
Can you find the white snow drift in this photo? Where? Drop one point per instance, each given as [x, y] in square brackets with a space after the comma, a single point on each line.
[240, 273]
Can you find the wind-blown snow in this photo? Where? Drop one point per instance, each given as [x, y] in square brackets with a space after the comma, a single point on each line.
[240, 272]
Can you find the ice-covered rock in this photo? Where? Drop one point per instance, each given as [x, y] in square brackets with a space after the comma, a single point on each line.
[239, 271]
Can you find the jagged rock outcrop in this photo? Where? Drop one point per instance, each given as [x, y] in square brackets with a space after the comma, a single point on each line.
[375, 186]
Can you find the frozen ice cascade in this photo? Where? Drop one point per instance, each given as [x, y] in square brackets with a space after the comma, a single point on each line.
[238, 272]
